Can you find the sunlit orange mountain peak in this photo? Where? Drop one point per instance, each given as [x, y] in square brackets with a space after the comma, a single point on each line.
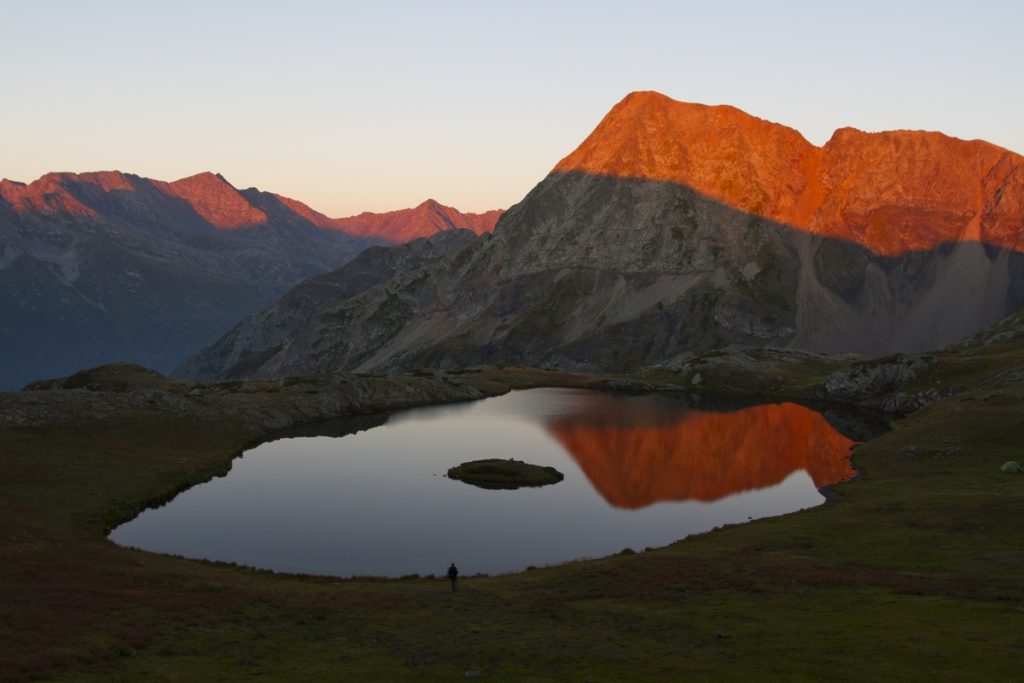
[891, 192]
[719, 151]
[47, 195]
[211, 197]
[420, 221]
[704, 455]
[216, 200]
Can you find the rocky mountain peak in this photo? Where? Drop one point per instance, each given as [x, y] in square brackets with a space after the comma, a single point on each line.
[216, 201]
[900, 191]
[436, 214]
[740, 160]
[108, 181]
[47, 195]
[81, 194]
[892, 192]
[423, 220]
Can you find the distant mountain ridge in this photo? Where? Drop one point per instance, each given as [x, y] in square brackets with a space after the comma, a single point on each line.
[678, 228]
[107, 266]
[218, 203]
[421, 221]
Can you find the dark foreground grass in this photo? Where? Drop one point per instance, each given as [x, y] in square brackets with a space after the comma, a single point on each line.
[915, 573]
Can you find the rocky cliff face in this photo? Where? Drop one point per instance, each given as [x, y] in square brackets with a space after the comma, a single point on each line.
[678, 227]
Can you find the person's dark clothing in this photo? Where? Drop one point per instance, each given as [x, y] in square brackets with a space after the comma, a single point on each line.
[453, 575]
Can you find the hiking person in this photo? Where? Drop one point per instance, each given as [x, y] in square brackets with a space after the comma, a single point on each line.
[453, 575]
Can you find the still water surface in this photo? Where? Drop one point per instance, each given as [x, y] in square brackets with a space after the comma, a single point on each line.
[639, 472]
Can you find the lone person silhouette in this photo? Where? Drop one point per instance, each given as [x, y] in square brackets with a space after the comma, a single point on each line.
[453, 575]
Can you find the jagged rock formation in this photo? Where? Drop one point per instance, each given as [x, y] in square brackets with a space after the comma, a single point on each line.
[880, 383]
[677, 227]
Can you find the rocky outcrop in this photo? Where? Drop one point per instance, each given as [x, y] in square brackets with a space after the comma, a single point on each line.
[681, 228]
[883, 383]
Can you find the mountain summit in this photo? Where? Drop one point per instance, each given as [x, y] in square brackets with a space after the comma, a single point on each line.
[737, 159]
[890, 192]
[677, 228]
[422, 221]
[215, 200]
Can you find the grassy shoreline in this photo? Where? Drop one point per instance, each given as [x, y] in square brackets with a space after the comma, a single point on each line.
[913, 574]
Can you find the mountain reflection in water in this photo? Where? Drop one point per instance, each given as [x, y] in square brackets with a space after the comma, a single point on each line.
[640, 471]
[634, 462]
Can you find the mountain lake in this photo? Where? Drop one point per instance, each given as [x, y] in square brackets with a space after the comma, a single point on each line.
[369, 496]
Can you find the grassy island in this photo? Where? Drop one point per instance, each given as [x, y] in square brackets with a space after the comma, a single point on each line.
[504, 474]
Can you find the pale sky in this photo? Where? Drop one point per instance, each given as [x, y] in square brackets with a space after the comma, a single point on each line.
[372, 106]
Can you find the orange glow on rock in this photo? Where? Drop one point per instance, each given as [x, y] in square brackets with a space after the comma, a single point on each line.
[215, 200]
[210, 196]
[46, 195]
[222, 206]
[420, 221]
[891, 192]
[703, 455]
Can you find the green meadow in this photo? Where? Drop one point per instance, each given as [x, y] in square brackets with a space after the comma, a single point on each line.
[913, 571]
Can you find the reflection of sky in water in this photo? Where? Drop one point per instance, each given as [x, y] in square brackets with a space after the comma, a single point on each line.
[377, 503]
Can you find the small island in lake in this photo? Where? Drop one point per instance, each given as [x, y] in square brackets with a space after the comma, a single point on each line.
[504, 474]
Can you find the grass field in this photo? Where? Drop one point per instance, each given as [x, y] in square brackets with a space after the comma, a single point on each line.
[916, 572]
